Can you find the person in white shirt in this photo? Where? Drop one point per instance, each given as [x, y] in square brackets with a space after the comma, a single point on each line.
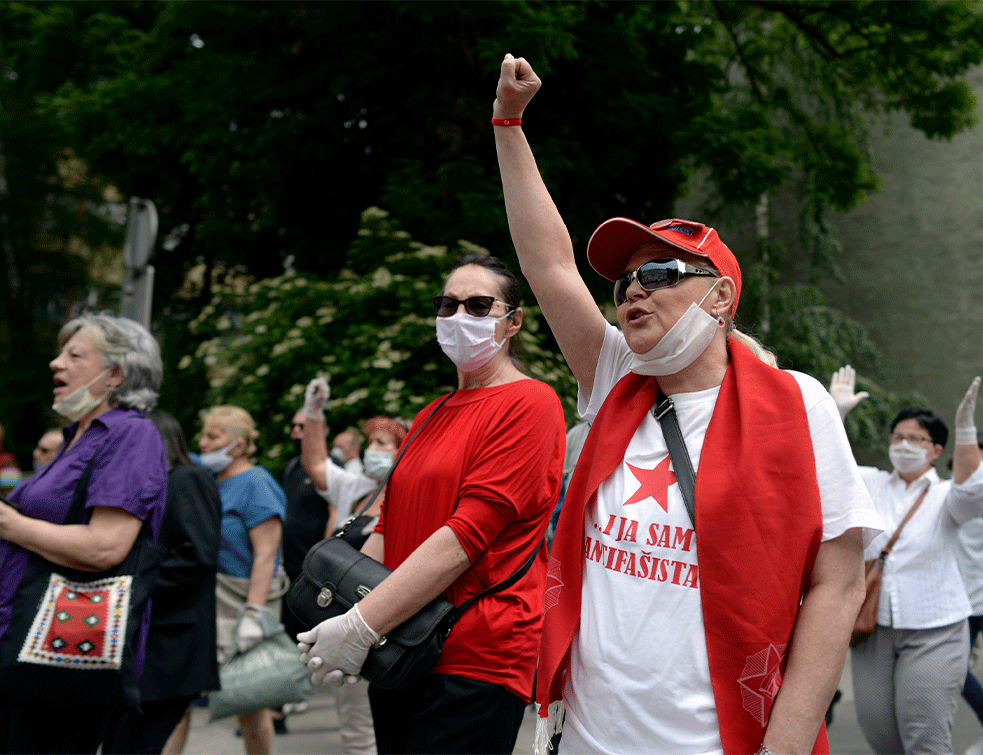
[727, 631]
[908, 674]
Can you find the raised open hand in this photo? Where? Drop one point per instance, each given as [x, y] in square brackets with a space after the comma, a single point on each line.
[842, 387]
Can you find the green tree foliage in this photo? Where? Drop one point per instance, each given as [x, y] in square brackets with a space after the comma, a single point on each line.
[369, 330]
[261, 130]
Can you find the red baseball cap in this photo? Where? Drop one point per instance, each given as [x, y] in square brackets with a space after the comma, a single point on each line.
[615, 240]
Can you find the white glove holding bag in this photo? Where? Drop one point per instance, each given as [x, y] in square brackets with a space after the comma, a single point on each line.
[966, 416]
[841, 388]
[336, 648]
[249, 632]
[316, 394]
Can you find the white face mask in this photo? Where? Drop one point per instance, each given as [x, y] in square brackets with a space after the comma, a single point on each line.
[377, 463]
[218, 461]
[682, 345]
[79, 402]
[907, 457]
[468, 341]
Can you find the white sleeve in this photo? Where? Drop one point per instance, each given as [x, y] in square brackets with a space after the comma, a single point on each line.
[342, 488]
[612, 364]
[845, 500]
[965, 500]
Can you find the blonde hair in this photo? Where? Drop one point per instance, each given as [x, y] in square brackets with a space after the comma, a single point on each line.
[757, 348]
[237, 423]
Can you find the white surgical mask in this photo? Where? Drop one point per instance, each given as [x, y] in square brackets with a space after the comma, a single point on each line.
[682, 345]
[377, 463]
[218, 461]
[468, 341]
[907, 457]
[338, 456]
[80, 402]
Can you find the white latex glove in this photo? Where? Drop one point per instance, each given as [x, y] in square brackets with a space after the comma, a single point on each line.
[314, 397]
[841, 388]
[965, 416]
[337, 647]
[249, 632]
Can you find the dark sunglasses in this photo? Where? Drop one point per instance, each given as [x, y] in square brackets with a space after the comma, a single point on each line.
[656, 274]
[479, 306]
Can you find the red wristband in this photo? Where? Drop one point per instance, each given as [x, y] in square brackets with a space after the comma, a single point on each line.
[506, 121]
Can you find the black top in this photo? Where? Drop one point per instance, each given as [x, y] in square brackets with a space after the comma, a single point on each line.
[307, 516]
[181, 658]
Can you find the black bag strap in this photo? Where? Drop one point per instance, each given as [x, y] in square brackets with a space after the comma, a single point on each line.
[74, 515]
[507, 582]
[340, 531]
[665, 412]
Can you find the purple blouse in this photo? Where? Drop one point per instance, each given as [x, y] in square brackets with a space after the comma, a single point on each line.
[130, 472]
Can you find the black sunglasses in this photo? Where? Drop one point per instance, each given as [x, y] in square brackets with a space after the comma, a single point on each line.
[479, 306]
[656, 274]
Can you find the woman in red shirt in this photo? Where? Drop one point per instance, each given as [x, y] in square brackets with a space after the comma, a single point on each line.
[465, 507]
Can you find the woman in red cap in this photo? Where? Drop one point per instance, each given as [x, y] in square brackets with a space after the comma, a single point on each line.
[720, 630]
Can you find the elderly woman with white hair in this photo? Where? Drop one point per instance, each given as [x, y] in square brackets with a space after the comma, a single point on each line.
[106, 375]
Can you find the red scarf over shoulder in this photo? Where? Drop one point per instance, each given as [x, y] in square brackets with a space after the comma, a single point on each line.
[758, 524]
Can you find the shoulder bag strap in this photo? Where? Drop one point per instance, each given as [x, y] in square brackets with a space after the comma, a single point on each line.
[897, 533]
[665, 412]
[507, 582]
[74, 515]
[348, 523]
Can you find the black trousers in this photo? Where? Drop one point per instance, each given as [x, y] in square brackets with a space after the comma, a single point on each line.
[38, 729]
[129, 733]
[446, 714]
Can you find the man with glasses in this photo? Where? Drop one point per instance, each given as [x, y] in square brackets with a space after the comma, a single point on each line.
[721, 631]
[908, 674]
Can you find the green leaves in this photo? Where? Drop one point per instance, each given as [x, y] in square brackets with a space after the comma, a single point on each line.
[369, 329]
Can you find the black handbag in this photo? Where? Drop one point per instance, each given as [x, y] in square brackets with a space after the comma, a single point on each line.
[72, 634]
[335, 577]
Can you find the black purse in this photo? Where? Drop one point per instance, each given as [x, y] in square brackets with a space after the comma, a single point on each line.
[72, 634]
[335, 577]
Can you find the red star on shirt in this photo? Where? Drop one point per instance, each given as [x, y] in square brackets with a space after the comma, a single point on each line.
[653, 483]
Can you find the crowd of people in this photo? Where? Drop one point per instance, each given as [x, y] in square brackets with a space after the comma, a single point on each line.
[707, 498]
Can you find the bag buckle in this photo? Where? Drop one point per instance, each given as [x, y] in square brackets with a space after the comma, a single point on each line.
[661, 410]
[324, 597]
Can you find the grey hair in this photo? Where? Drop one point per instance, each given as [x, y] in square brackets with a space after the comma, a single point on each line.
[128, 345]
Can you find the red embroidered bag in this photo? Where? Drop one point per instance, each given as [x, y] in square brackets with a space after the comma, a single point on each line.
[72, 634]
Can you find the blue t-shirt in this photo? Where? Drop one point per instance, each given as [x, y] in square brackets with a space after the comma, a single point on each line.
[248, 499]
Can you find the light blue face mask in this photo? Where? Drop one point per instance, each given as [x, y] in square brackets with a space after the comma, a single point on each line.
[377, 463]
[218, 461]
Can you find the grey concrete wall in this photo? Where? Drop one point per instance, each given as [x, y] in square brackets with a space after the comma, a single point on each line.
[913, 257]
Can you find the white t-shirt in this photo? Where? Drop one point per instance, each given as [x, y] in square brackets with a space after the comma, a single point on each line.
[343, 488]
[639, 677]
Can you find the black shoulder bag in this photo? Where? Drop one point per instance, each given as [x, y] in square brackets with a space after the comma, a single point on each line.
[73, 634]
[335, 577]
